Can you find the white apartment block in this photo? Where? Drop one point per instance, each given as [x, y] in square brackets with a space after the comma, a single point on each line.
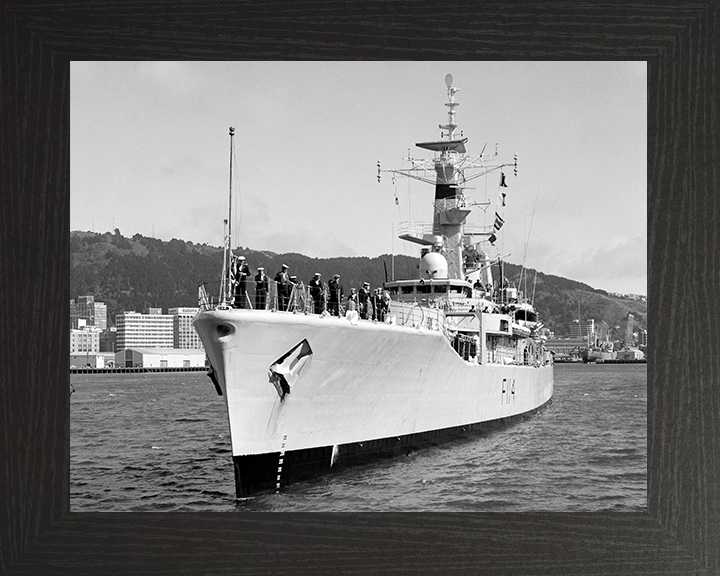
[84, 340]
[184, 334]
[135, 330]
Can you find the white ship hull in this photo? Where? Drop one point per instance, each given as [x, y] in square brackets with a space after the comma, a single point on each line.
[362, 382]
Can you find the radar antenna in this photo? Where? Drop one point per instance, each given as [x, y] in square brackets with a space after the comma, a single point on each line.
[451, 91]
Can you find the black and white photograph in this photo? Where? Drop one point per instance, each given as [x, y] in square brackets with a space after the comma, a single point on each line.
[358, 286]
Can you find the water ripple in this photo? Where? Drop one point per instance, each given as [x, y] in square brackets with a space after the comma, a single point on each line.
[160, 442]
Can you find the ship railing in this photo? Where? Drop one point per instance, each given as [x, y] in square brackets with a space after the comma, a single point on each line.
[420, 229]
[298, 297]
[209, 295]
[500, 354]
[294, 297]
[417, 315]
[244, 295]
[417, 229]
[303, 299]
[477, 229]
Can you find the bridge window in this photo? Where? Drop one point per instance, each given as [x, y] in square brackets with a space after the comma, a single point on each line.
[407, 289]
[526, 315]
[440, 289]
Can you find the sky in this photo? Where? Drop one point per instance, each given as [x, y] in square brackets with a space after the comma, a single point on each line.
[150, 155]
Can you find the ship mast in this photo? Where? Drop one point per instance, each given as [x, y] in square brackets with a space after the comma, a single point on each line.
[227, 258]
[450, 126]
[452, 166]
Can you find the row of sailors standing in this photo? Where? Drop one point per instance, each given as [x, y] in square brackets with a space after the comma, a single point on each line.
[239, 273]
[287, 293]
[370, 304]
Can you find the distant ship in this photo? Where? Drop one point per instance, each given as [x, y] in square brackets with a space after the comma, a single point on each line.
[597, 354]
[308, 391]
[600, 352]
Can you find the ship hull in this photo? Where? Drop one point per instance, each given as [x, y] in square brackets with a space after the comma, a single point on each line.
[257, 473]
[349, 392]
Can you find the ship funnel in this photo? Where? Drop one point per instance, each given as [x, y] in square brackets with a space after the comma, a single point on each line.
[433, 265]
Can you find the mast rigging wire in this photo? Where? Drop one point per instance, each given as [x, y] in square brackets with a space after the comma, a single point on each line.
[527, 239]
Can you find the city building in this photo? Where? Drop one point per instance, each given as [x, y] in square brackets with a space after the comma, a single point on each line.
[566, 346]
[584, 329]
[159, 358]
[107, 339]
[84, 339]
[92, 360]
[135, 330]
[630, 354]
[94, 312]
[637, 297]
[184, 334]
[73, 314]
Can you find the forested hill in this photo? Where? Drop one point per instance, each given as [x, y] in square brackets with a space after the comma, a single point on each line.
[140, 272]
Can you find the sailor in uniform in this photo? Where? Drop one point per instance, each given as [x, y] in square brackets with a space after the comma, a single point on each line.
[352, 301]
[335, 295]
[316, 293]
[283, 287]
[261, 288]
[377, 304]
[240, 272]
[364, 300]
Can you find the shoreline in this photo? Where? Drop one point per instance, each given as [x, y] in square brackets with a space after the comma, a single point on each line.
[612, 361]
[138, 369]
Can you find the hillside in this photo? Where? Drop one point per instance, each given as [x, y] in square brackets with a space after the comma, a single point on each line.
[140, 272]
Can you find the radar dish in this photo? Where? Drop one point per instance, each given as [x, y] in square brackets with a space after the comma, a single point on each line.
[448, 80]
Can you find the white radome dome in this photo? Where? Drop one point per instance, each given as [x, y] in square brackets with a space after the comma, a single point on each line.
[433, 265]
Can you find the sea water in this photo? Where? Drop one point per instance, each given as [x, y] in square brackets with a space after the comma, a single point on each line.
[160, 442]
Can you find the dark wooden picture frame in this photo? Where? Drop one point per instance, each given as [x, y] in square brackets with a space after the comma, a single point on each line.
[679, 533]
